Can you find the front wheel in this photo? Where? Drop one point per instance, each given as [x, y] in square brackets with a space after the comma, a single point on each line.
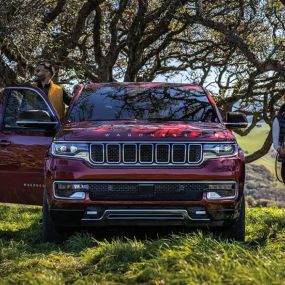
[237, 230]
[50, 231]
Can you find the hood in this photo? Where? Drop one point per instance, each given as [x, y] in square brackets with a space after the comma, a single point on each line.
[144, 131]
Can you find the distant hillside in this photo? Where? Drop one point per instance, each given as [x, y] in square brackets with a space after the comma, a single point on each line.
[262, 187]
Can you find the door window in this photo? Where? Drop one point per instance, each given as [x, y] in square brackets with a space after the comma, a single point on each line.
[25, 105]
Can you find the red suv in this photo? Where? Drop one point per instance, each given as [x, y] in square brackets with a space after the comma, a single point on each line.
[125, 154]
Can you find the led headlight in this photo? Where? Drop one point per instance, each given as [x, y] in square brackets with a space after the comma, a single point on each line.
[68, 149]
[219, 150]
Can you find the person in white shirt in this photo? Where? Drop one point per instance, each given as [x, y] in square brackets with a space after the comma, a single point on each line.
[278, 136]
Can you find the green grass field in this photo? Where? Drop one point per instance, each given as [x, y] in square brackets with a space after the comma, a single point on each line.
[192, 258]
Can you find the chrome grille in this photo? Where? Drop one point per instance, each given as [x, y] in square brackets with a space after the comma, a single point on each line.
[146, 153]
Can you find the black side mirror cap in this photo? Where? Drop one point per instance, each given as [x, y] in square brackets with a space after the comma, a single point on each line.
[236, 120]
[37, 124]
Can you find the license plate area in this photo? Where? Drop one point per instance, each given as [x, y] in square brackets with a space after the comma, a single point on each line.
[146, 190]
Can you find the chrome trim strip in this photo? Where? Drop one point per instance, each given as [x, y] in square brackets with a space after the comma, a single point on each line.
[145, 181]
[161, 144]
[112, 162]
[151, 142]
[152, 153]
[185, 153]
[36, 122]
[103, 154]
[68, 198]
[136, 157]
[145, 214]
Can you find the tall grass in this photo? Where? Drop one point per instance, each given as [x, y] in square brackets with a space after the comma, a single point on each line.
[175, 258]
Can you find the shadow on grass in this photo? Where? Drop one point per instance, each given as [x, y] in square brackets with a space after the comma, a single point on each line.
[261, 228]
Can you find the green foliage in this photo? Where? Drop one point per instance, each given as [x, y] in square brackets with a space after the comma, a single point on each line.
[178, 258]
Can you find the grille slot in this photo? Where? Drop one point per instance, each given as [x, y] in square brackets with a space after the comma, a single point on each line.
[162, 153]
[127, 153]
[97, 153]
[130, 153]
[146, 153]
[194, 153]
[113, 153]
[179, 153]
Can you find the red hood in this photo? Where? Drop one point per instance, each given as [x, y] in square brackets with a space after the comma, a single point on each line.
[144, 130]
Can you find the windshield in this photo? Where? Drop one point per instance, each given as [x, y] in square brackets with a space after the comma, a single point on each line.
[140, 103]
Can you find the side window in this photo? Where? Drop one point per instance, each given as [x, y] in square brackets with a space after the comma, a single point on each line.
[25, 105]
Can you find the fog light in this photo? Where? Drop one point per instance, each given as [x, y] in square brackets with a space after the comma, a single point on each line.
[221, 191]
[70, 190]
[200, 212]
[77, 195]
[93, 212]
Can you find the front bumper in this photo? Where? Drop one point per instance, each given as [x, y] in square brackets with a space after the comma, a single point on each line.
[144, 216]
[144, 212]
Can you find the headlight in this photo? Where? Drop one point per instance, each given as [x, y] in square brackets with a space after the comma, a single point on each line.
[219, 150]
[67, 149]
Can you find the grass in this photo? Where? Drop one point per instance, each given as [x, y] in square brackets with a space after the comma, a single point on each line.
[186, 258]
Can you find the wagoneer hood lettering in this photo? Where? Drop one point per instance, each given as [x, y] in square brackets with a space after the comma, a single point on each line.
[144, 130]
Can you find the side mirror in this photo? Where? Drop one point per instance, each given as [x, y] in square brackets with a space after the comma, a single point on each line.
[236, 120]
[36, 119]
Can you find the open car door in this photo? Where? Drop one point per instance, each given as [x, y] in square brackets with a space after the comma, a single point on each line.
[28, 123]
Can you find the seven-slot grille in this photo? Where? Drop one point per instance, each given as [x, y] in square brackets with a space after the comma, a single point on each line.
[146, 153]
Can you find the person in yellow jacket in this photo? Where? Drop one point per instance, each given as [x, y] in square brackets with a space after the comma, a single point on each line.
[57, 95]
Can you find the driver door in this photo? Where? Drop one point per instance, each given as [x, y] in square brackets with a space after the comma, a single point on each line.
[29, 124]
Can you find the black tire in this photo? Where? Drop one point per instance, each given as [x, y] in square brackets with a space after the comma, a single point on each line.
[236, 232]
[50, 231]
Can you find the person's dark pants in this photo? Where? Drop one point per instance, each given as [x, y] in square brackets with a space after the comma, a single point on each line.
[283, 171]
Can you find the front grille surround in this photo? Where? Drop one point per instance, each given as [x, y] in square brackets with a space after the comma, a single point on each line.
[146, 153]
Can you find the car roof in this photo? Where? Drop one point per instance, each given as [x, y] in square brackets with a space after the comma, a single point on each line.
[143, 85]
